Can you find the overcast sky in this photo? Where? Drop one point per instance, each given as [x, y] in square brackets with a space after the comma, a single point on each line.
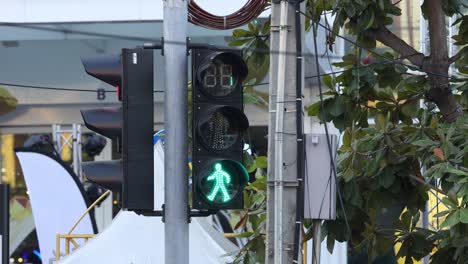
[99, 10]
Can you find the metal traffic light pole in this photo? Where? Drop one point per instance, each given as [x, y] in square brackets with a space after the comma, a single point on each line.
[175, 122]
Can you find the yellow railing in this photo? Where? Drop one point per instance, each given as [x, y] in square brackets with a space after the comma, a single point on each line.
[70, 238]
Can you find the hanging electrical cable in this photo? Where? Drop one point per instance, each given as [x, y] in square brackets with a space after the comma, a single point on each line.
[59, 88]
[299, 136]
[315, 22]
[251, 10]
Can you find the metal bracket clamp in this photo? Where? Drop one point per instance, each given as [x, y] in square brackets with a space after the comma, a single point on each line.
[151, 212]
[190, 213]
[274, 28]
[199, 213]
[155, 46]
[281, 27]
[283, 183]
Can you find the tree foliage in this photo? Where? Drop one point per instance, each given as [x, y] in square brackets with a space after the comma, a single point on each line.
[250, 222]
[404, 130]
[7, 101]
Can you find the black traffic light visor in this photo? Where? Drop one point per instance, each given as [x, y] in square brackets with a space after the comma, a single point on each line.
[108, 174]
[107, 68]
[237, 63]
[106, 121]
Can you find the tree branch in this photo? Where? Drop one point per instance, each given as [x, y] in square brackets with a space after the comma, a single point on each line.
[440, 92]
[391, 40]
[455, 57]
[436, 65]
[427, 184]
[420, 178]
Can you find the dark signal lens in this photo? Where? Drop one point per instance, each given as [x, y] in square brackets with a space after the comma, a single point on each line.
[219, 131]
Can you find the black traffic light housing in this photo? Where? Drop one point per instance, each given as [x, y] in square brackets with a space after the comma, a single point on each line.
[217, 128]
[130, 126]
[107, 68]
[106, 121]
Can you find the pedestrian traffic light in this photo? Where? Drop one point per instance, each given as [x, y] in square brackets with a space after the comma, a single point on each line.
[217, 129]
[130, 126]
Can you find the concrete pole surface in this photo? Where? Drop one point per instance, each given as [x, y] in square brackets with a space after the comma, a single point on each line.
[175, 117]
[274, 45]
[282, 213]
[317, 242]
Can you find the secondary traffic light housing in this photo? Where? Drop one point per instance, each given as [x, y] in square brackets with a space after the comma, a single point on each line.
[107, 122]
[130, 126]
[217, 128]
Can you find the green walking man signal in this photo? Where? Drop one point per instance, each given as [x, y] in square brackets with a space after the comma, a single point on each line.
[221, 178]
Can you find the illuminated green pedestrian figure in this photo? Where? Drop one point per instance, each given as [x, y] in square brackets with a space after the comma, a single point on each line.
[221, 178]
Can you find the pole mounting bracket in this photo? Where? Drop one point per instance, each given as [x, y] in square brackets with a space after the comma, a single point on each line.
[283, 183]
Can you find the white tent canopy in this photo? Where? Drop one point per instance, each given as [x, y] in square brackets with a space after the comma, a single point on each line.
[133, 238]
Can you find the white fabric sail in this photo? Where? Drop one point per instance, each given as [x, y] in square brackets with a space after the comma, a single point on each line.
[57, 199]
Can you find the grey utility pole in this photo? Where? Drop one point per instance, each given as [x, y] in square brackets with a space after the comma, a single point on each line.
[175, 117]
[282, 141]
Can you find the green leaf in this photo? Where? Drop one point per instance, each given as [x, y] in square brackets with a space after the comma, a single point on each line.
[241, 235]
[361, 3]
[239, 42]
[251, 27]
[450, 7]
[386, 178]
[375, 163]
[406, 220]
[258, 63]
[424, 143]
[7, 101]
[464, 215]
[457, 172]
[393, 9]
[336, 107]
[452, 219]
[349, 9]
[314, 109]
[328, 81]
[437, 170]
[448, 202]
[258, 185]
[249, 162]
[258, 198]
[262, 162]
[242, 33]
[440, 214]
[347, 137]
[266, 27]
[366, 20]
[380, 121]
[366, 41]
